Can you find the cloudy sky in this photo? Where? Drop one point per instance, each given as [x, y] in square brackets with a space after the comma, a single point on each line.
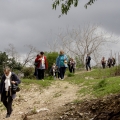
[31, 22]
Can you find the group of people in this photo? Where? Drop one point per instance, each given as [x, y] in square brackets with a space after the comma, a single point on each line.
[62, 62]
[58, 68]
[110, 62]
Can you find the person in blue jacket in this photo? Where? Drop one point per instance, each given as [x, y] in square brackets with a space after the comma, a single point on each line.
[7, 95]
[61, 63]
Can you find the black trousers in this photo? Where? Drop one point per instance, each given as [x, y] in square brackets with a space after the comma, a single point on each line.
[62, 72]
[72, 69]
[41, 74]
[7, 101]
[88, 66]
[103, 66]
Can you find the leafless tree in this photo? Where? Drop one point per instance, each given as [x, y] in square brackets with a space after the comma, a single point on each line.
[24, 59]
[30, 56]
[88, 40]
[11, 51]
[53, 46]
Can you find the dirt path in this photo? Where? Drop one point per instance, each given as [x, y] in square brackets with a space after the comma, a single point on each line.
[46, 101]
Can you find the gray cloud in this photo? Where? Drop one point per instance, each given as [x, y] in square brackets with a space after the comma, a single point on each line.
[31, 21]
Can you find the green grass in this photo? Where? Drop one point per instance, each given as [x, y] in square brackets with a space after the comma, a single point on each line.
[100, 82]
[97, 83]
[109, 86]
[41, 83]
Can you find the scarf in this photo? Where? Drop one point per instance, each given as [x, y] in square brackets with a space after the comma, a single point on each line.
[7, 81]
[43, 61]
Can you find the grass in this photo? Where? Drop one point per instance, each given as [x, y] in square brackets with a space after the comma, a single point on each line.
[41, 83]
[109, 86]
[99, 82]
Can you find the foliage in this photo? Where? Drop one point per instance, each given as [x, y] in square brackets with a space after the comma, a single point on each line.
[6, 61]
[66, 4]
[14, 65]
[89, 3]
[28, 72]
[51, 58]
[79, 63]
[3, 61]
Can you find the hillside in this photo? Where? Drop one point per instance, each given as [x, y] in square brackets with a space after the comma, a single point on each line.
[41, 104]
[83, 96]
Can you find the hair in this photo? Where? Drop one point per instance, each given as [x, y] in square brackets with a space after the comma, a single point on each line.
[61, 52]
[41, 52]
[37, 55]
[7, 69]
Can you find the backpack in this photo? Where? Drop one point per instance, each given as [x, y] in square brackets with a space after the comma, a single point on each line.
[36, 63]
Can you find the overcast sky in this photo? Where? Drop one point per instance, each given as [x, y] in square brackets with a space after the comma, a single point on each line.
[30, 22]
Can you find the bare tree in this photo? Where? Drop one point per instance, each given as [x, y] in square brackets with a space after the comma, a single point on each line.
[30, 56]
[11, 51]
[88, 40]
[53, 46]
[27, 58]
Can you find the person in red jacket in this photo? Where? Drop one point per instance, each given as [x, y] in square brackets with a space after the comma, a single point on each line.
[41, 66]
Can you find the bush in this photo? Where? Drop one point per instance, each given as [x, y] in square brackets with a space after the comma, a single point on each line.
[28, 72]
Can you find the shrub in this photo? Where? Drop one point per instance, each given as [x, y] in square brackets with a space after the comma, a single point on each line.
[28, 72]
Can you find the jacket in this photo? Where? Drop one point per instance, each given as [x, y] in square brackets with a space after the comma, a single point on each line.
[2, 83]
[62, 61]
[39, 62]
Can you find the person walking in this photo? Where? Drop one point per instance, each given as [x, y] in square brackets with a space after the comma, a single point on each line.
[7, 95]
[42, 65]
[71, 65]
[109, 62]
[113, 61]
[35, 64]
[88, 59]
[53, 70]
[61, 63]
[103, 62]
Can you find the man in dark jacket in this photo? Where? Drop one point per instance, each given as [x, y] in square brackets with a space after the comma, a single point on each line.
[88, 59]
[7, 95]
